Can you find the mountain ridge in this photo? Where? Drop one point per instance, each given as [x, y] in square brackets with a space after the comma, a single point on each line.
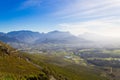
[30, 37]
[27, 38]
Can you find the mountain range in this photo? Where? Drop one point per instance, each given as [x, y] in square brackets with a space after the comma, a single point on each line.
[30, 38]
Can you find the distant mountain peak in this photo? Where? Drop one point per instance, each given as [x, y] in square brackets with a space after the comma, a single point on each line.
[56, 31]
[22, 31]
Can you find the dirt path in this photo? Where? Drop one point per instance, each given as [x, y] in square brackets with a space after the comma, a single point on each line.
[51, 77]
[33, 64]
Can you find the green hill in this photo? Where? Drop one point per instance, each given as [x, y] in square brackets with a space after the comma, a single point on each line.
[15, 65]
[65, 70]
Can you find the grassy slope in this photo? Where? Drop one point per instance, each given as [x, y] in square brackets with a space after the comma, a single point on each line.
[18, 68]
[64, 70]
[13, 67]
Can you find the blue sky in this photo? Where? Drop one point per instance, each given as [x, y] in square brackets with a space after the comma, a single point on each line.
[77, 16]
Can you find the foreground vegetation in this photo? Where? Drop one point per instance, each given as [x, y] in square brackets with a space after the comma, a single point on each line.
[14, 67]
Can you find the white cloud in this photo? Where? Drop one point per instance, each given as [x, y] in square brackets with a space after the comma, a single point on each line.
[75, 29]
[30, 3]
[89, 8]
[96, 16]
[107, 27]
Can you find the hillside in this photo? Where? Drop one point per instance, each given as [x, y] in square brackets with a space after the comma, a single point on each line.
[14, 67]
[65, 69]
